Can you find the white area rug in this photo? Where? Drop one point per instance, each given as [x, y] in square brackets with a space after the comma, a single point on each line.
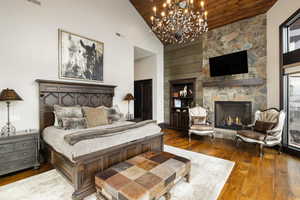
[208, 176]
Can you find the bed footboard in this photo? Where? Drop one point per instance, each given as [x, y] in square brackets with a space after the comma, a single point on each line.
[81, 173]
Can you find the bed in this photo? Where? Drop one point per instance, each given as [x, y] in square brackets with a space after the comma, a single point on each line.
[79, 168]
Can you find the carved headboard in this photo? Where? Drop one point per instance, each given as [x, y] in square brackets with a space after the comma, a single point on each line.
[68, 94]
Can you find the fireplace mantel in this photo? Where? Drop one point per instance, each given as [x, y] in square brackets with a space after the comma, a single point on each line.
[234, 83]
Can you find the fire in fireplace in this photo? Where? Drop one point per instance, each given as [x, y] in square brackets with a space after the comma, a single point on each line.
[232, 114]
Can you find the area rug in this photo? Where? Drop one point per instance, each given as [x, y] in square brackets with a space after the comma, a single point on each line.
[208, 176]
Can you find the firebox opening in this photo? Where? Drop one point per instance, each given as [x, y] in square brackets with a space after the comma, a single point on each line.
[232, 114]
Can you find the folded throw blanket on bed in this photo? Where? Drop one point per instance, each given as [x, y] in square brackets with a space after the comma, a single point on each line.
[78, 136]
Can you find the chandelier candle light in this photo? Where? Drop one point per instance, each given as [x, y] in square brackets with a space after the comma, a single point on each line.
[180, 21]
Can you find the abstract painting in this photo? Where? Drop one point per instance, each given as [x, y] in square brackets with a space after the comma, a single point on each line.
[80, 58]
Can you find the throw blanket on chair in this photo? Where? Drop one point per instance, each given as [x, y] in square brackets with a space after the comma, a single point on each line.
[78, 136]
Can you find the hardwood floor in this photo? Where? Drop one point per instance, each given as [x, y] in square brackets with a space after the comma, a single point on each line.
[24, 174]
[275, 177]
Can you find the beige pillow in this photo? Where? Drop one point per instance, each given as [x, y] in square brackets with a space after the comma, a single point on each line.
[95, 116]
[197, 120]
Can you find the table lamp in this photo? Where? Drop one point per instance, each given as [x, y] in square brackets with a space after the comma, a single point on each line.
[9, 95]
[129, 97]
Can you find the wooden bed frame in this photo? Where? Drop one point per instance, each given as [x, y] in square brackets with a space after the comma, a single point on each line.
[82, 170]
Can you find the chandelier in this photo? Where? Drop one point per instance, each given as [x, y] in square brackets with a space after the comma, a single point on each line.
[180, 21]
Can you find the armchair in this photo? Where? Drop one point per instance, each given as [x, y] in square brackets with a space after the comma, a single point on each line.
[199, 124]
[271, 137]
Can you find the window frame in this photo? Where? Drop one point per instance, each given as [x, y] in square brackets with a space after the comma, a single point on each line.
[287, 33]
[287, 57]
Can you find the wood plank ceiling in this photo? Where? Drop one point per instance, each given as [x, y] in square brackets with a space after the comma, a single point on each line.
[220, 12]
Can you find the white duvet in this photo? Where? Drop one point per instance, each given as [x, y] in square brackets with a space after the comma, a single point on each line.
[55, 138]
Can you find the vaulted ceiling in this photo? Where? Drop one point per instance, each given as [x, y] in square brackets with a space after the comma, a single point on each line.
[220, 12]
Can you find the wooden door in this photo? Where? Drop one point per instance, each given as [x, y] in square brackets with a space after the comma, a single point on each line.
[143, 99]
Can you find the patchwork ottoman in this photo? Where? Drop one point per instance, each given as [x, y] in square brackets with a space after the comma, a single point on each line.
[148, 176]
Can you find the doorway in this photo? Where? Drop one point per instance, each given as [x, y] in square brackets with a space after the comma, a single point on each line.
[143, 99]
[145, 85]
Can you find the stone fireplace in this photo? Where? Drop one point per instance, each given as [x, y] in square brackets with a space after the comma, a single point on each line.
[240, 87]
[232, 114]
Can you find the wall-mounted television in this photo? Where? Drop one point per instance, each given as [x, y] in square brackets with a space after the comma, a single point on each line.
[234, 63]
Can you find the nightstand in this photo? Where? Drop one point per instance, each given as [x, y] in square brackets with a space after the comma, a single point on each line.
[20, 151]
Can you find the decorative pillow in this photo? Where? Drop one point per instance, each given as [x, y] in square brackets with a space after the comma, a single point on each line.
[67, 112]
[73, 123]
[114, 113]
[263, 127]
[198, 120]
[113, 110]
[116, 117]
[95, 116]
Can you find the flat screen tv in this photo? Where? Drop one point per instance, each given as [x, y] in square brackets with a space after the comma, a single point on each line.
[234, 63]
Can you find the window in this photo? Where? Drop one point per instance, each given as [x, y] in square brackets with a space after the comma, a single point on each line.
[294, 35]
[293, 109]
[290, 80]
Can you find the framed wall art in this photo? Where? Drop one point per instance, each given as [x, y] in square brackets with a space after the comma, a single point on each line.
[80, 58]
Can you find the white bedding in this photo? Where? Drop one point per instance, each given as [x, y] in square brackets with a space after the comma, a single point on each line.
[55, 138]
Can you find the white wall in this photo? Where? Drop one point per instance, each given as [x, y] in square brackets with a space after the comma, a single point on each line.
[29, 48]
[282, 10]
[145, 68]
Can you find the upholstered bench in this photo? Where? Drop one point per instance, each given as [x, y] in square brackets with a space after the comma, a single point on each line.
[148, 176]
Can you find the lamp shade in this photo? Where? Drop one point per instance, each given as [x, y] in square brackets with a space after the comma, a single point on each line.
[129, 97]
[9, 95]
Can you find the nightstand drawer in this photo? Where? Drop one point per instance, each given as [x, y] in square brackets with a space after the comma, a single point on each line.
[6, 148]
[15, 165]
[26, 144]
[25, 161]
[15, 156]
